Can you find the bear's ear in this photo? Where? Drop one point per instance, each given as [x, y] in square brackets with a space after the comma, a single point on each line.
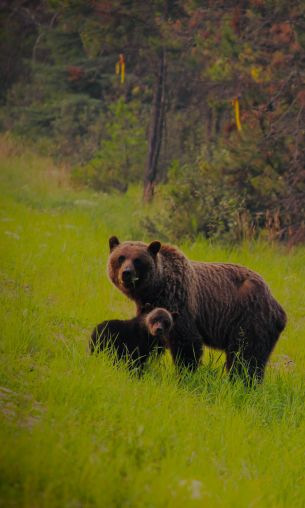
[146, 308]
[175, 316]
[113, 242]
[154, 248]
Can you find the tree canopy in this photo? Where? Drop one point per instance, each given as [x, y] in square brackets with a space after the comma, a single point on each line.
[208, 97]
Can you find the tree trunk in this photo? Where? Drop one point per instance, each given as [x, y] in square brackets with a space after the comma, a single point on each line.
[155, 131]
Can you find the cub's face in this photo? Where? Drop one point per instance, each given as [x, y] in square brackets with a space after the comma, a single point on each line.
[159, 322]
[132, 265]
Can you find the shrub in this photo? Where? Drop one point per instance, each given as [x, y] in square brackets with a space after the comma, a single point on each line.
[197, 199]
[121, 154]
[230, 192]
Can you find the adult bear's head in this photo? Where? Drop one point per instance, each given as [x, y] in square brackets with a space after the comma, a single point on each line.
[132, 266]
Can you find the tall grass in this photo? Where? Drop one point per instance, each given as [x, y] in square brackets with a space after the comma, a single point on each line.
[77, 431]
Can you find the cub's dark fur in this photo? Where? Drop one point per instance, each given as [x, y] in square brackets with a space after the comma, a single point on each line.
[225, 306]
[134, 338]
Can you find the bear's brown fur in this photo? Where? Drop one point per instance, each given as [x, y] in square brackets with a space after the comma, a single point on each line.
[225, 306]
[136, 338]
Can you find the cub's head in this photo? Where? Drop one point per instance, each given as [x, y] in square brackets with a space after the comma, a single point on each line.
[159, 322]
[132, 266]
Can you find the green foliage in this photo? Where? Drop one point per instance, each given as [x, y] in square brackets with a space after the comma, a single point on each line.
[198, 200]
[61, 92]
[71, 125]
[75, 430]
[230, 192]
[121, 156]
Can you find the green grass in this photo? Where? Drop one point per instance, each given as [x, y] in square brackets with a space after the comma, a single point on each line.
[76, 431]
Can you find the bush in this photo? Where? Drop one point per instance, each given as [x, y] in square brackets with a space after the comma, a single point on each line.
[71, 125]
[230, 192]
[121, 156]
[197, 200]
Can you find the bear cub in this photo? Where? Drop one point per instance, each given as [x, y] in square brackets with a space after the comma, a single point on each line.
[136, 338]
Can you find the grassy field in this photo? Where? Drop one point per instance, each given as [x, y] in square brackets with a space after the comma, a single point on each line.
[78, 432]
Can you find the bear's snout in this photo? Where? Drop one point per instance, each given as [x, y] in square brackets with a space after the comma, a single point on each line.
[128, 277]
[157, 329]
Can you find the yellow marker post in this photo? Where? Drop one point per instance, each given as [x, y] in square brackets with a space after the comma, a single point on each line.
[120, 68]
[122, 62]
[237, 113]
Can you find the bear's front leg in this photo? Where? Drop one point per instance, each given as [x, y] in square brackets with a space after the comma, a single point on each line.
[186, 346]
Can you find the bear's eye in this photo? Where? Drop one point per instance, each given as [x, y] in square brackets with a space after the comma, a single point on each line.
[137, 263]
[121, 259]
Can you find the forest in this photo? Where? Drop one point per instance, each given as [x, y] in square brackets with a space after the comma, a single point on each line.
[200, 103]
[155, 121]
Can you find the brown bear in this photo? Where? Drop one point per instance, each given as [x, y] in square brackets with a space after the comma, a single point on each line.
[225, 306]
[136, 338]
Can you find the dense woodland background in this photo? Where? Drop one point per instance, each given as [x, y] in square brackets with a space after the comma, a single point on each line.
[171, 123]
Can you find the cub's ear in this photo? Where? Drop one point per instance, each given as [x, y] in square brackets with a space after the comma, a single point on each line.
[175, 316]
[146, 308]
[113, 242]
[154, 248]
